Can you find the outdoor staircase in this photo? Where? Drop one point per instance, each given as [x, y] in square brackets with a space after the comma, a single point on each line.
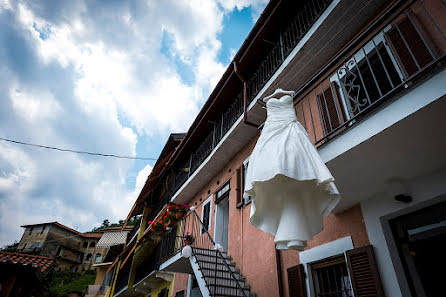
[221, 276]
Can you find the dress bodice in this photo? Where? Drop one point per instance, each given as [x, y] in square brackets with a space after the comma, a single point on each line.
[281, 110]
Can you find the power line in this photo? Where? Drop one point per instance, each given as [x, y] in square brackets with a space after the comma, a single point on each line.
[75, 151]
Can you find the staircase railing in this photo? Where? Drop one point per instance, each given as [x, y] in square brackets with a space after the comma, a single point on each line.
[204, 244]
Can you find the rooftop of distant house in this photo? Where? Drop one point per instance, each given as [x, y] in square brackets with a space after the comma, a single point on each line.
[43, 263]
[88, 235]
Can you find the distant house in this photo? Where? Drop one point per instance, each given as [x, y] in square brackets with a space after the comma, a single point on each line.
[73, 250]
[22, 275]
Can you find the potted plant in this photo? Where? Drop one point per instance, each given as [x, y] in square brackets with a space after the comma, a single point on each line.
[170, 218]
[159, 227]
[188, 239]
[178, 209]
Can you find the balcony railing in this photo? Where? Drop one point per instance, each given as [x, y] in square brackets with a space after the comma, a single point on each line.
[134, 231]
[286, 40]
[204, 244]
[123, 276]
[157, 255]
[409, 47]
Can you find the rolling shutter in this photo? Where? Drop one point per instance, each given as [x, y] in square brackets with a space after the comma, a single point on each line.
[364, 273]
[296, 281]
[415, 43]
[328, 103]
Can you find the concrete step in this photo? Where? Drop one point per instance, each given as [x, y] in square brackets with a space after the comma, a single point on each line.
[212, 259]
[218, 267]
[227, 291]
[221, 274]
[211, 280]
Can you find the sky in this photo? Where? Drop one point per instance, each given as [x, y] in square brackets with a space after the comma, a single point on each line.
[114, 77]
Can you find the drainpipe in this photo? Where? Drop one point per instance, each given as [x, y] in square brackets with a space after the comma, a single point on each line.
[279, 272]
[245, 104]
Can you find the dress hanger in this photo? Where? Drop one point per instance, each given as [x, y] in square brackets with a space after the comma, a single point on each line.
[278, 91]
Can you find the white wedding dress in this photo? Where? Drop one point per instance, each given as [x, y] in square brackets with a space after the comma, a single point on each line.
[292, 190]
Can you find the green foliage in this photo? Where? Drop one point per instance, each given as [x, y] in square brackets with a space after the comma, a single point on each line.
[63, 283]
[106, 223]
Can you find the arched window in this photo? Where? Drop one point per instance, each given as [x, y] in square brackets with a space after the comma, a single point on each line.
[85, 244]
[98, 258]
[92, 244]
[88, 257]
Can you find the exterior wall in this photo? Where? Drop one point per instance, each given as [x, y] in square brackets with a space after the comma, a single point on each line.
[100, 274]
[348, 223]
[421, 189]
[168, 285]
[180, 283]
[37, 234]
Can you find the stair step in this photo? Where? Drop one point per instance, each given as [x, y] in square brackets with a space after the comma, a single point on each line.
[227, 291]
[221, 274]
[230, 282]
[212, 253]
[212, 261]
[218, 267]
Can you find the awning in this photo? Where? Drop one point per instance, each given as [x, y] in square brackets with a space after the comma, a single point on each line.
[109, 239]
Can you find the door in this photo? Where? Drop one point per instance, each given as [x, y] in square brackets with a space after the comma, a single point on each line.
[221, 222]
[420, 238]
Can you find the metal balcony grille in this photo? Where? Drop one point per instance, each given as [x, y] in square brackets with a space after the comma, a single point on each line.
[332, 280]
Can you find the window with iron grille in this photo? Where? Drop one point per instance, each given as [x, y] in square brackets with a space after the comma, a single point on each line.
[331, 279]
[246, 198]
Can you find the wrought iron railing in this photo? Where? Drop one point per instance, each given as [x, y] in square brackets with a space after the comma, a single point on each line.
[204, 244]
[409, 46]
[150, 263]
[285, 42]
[122, 279]
[134, 231]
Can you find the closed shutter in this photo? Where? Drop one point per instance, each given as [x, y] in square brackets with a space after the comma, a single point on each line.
[206, 214]
[296, 281]
[328, 103]
[414, 42]
[364, 273]
[239, 189]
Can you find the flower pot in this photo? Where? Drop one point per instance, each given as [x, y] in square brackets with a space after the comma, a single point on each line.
[179, 215]
[187, 242]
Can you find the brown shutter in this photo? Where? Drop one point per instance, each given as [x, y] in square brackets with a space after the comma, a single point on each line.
[238, 176]
[296, 281]
[329, 100]
[415, 43]
[364, 273]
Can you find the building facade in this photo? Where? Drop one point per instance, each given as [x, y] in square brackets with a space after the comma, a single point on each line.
[73, 250]
[370, 90]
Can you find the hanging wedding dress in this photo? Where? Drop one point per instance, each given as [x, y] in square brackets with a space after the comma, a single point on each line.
[292, 190]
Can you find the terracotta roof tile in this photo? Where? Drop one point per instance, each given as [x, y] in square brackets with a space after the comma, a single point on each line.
[44, 263]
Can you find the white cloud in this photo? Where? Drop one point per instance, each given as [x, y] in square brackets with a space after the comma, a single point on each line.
[93, 75]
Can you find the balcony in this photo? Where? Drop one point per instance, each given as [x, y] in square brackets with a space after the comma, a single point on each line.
[305, 48]
[124, 279]
[147, 274]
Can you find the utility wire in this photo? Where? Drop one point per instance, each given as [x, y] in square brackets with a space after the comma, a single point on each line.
[75, 151]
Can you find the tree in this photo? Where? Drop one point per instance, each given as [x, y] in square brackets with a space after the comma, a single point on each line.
[105, 224]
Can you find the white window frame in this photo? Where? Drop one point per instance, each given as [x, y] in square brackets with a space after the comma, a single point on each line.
[209, 200]
[246, 197]
[322, 252]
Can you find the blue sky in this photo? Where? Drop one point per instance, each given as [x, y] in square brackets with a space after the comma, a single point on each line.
[105, 76]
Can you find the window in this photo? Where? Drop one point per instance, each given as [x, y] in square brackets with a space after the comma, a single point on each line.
[330, 278]
[222, 192]
[85, 244]
[35, 245]
[206, 215]
[329, 106]
[88, 257]
[367, 77]
[164, 293]
[98, 258]
[24, 247]
[409, 46]
[246, 198]
[31, 230]
[92, 244]
[43, 229]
